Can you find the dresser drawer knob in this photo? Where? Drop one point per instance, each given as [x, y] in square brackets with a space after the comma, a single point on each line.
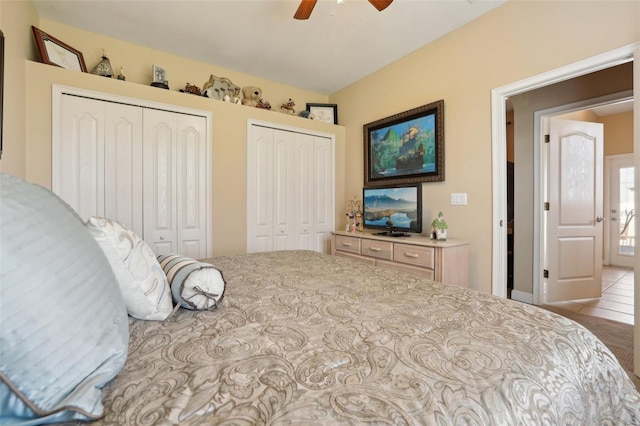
[412, 255]
[374, 248]
[346, 244]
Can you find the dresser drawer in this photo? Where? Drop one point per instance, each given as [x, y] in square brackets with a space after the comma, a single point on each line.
[413, 270]
[423, 257]
[348, 244]
[377, 249]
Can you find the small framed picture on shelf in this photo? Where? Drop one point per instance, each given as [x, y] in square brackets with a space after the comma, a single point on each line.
[54, 52]
[323, 112]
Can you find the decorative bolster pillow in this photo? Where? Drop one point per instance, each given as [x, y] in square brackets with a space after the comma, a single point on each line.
[194, 285]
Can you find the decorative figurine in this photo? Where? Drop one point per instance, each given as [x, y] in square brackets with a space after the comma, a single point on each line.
[192, 89]
[288, 106]
[104, 67]
[354, 216]
[121, 75]
[439, 228]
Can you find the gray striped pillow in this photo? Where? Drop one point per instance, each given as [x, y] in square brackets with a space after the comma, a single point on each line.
[194, 285]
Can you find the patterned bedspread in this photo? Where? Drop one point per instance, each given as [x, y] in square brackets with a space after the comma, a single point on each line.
[305, 339]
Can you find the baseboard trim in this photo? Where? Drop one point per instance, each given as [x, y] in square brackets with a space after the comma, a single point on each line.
[522, 296]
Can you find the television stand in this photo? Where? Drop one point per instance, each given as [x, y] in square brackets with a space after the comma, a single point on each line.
[443, 261]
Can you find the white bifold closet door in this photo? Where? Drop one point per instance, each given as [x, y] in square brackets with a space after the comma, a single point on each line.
[290, 190]
[174, 179]
[145, 168]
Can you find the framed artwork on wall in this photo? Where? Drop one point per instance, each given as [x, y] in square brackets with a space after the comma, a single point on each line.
[323, 112]
[54, 52]
[405, 148]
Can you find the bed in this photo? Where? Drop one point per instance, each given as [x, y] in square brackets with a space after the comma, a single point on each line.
[303, 338]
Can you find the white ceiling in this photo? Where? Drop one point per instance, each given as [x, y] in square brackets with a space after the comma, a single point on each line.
[338, 45]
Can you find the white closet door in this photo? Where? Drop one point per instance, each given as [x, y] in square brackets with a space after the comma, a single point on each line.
[260, 200]
[174, 170]
[284, 187]
[78, 156]
[304, 192]
[191, 175]
[96, 160]
[159, 201]
[324, 194]
[290, 190]
[122, 167]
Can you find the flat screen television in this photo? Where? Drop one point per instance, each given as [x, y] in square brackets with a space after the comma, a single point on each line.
[394, 211]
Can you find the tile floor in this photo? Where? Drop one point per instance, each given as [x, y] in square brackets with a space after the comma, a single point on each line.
[616, 302]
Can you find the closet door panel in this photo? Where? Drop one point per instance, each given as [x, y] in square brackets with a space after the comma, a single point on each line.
[191, 177]
[260, 203]
[159, 201]
[123, 160]
[284, 146]
[78, 156]
[324, 194]
[304, 196]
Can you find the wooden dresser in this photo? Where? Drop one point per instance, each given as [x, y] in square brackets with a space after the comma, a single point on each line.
[446, 261]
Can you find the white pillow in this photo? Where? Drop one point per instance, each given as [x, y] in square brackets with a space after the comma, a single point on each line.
[143, 284]
[194, 285]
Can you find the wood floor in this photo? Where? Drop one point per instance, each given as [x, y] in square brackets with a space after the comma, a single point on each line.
[616, 302]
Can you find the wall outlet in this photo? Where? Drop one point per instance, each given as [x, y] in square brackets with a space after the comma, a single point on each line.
[459, 199]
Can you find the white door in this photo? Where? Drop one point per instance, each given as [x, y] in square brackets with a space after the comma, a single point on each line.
[283, 190]
[290, 190]
[621, 210]
[260, 199]
[78, 156]
[122, 171]
[304, 192]
[174, 169]
[96, 159]
[324, 194]
[573, 222]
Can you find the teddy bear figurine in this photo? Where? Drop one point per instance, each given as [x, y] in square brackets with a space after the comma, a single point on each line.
[251, 95]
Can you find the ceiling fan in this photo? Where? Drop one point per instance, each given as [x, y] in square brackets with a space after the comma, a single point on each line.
[306, 7]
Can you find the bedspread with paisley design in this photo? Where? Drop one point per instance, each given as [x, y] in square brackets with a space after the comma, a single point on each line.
[302, 338]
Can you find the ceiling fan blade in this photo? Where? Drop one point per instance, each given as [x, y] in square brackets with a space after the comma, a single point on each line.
[380, 4]
[305, 9]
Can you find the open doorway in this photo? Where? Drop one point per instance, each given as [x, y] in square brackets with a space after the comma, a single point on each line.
[499, 95]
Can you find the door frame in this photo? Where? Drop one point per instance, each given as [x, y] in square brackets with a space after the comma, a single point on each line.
[499, 96]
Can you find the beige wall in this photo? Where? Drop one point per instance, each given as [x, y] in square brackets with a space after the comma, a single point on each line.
[514, 42]
[618, 133]
[16, 19]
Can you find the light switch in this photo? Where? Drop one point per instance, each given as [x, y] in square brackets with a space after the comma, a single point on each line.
[459, 199]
